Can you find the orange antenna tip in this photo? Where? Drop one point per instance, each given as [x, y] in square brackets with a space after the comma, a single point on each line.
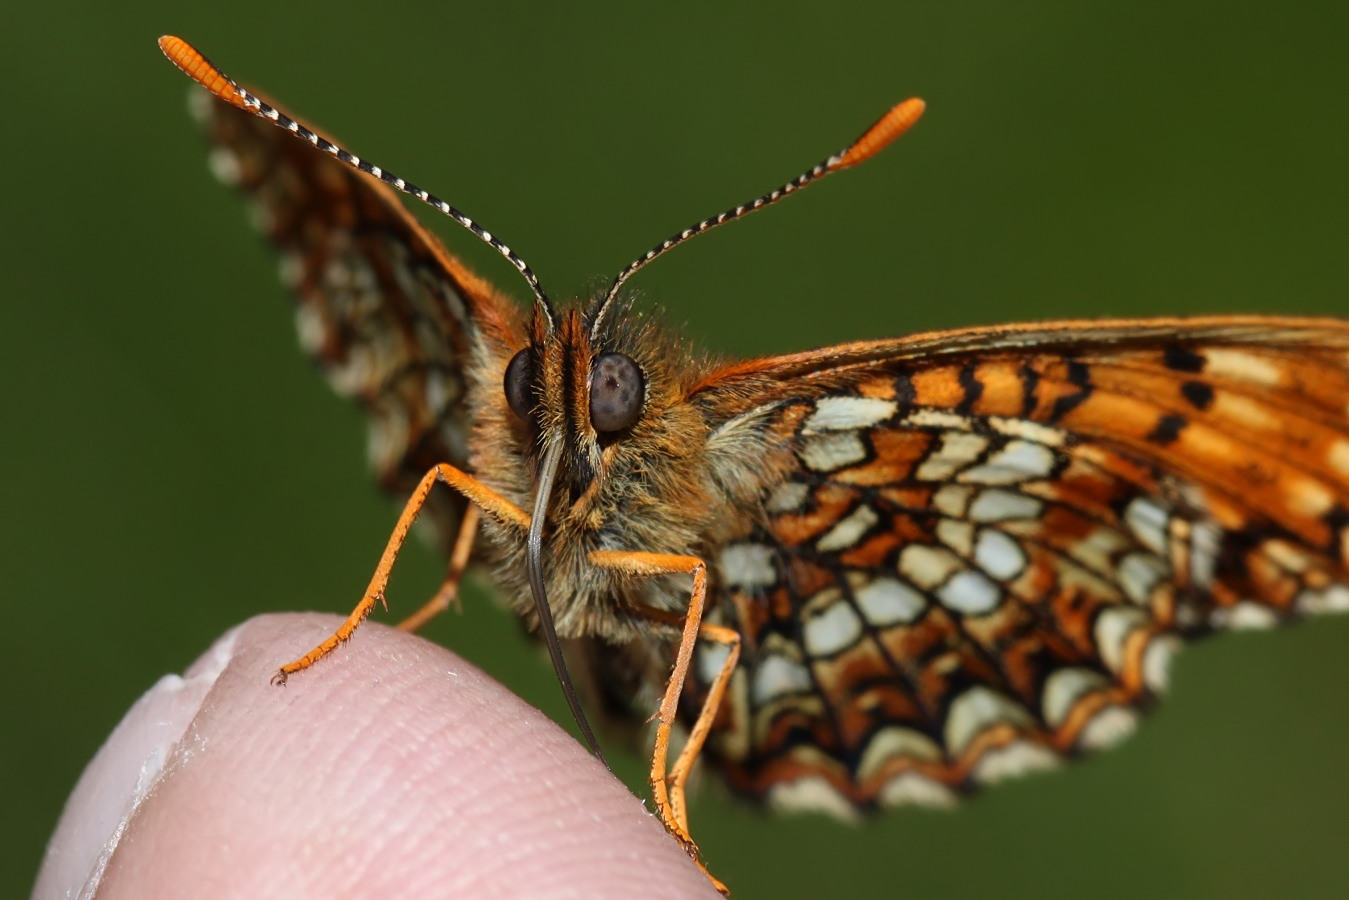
[200, 69]
[887, 129]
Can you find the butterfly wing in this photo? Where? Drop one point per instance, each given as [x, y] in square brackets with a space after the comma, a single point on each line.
[392, 319]
[978, 550]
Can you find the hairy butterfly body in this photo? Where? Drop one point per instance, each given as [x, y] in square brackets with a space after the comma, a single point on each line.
[883, 572]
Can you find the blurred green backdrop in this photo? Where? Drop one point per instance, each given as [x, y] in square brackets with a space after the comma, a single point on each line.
[172, 466]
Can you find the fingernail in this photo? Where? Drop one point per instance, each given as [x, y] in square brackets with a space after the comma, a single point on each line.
[123, 771]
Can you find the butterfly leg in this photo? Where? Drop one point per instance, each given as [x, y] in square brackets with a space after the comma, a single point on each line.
[448, 592]
[478, 494]
[668, 782]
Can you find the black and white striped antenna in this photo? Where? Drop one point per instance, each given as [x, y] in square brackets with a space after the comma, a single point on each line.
[872, 141]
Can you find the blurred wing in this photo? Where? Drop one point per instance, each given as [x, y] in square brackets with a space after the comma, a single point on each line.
[982, 548]
[390, 317]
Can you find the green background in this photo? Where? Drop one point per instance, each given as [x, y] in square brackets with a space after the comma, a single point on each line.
[171, 465]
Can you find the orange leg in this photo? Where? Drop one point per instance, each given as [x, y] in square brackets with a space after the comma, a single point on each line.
[449, 588]
[478, 494]
[668, 782]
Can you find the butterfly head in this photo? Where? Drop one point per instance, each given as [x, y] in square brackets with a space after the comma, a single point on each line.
[583, 395]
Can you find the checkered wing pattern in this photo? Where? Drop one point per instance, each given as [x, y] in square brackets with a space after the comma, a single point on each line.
[392, 319]
[980, 549]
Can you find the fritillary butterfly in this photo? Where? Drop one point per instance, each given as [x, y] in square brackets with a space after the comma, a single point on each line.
[878, 573]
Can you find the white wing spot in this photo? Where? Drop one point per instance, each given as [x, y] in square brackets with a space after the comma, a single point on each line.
[926, 565]
[938, 418]
[827, 452]
[913, 788]
[290, 269]
[338, 273]
[977, 709]
[970, 593]
[836, 628]
[353, 373]
[998, 505]
[387, 437]
[886, 602]
[1017, 462]
[1139, 574]
[224, 165]
[1331, 599]
[895, 742]
[200, 105]
[1244, 615]
[956, 534]
[1107, 728]
[999, 555]
[1205, 543]
[1285, 555]
[1027, 430]
[958, 449]
[848, 413]
[952, 500]
[1016, 759]
[846, 532]
[748, 565]
[1157, 661]
[310, 328]
[1148, 522]
[1064, 688]
[810, 794]
[1099, 548]
[789, 496]
[1113, 627]
[438, 392]
[776, 677]
[711, 660]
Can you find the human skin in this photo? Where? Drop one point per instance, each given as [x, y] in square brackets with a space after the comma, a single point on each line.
[393, 769]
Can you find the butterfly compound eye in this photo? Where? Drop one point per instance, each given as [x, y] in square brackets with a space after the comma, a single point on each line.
[519, 384]
[617, 390]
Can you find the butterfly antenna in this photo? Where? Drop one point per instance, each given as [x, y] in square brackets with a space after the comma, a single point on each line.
[208, 75]
[875, 139]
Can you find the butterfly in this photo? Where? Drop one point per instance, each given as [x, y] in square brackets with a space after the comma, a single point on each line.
[879, 573]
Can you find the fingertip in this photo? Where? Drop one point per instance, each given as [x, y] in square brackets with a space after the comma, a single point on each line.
[393, 767]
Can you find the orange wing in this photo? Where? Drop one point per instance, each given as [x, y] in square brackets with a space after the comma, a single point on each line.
[390, 316]
[981, 548]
